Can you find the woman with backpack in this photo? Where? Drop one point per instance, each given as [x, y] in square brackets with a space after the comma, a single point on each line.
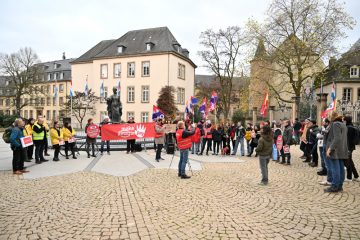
[255, 136]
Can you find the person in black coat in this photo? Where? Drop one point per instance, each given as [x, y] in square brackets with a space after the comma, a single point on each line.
[352, 136]
[217, 138]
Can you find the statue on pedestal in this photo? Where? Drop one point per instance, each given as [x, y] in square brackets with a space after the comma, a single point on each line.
[114, 107]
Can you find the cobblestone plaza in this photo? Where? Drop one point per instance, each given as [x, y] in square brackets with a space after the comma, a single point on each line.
[222, 200]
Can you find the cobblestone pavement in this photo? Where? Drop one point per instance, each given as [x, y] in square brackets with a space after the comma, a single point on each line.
[223, 201]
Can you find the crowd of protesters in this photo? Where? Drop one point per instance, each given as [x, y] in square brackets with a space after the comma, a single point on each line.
[333, 142]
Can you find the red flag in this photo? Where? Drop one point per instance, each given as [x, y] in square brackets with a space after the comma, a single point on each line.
[265, 105]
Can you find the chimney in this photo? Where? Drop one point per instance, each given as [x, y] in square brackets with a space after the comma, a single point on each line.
[332, 61]
[63, 57]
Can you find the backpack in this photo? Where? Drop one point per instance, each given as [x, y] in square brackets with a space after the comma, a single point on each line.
[248, 135]
[7, 133]
[356, 139]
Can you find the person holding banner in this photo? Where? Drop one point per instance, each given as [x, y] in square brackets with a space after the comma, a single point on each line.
[68, 135]
[104, 122]
[56, 138]
[130, 144]
[18, 151]
[29, 132]
[183, 138]
[159, 138]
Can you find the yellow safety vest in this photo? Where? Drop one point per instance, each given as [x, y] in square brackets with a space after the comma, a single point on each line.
[37, 136]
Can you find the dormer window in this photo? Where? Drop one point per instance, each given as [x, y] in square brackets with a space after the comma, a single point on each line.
[354, 72]
[56, 65]
[177, 46]
[149, 46]
[120, 48]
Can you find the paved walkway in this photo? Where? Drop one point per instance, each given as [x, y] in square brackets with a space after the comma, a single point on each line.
[133, 197]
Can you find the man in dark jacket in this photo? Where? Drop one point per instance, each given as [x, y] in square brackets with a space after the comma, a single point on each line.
[352, 136]
[336, 151]
[19, 153]
[312, 153]
[39, 138]
[297, 127]
[287, 141]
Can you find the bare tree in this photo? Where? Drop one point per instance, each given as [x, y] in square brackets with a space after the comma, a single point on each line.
[23, 70]
[299, 34]
[222, 57]
[81, 105]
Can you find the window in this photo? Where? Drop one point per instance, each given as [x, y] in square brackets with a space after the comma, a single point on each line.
[7, 102]
[148, 46]
[37, 102]
[13, 112]
[180, 96]
[56, 76]
[181, 71]
[61, 75]
[48, 101]
[103, 71]
[26, 114]
[54, 114]
[120, 49]
[103, 98]
[26, 101]
[347, 95]
[131, 69]
[48, 114]
[54, 88]
[55, 66]
[144, 117]
[7, 83]
[42, 101]
[117, 70]
[21, 113]
[358, 98]
[1, 91]
[49, 76]
[61, 101]
[1, 102]
[54, 101]
[145, 69]
[131, 94]
[145, 94]
[62, 113]
[31, 114]
[61, 88]
[354, 72]
[130, 115]
[7, 112]
[21, 101]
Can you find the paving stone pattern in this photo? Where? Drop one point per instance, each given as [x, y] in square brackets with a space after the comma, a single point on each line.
[222, 201]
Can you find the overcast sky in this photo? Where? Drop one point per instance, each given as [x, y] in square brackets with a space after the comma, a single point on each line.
[74, 26]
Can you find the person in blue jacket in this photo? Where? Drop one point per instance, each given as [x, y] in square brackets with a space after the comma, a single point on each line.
[18, 151]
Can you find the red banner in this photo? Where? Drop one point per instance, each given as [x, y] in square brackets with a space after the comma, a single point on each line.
[127, 131]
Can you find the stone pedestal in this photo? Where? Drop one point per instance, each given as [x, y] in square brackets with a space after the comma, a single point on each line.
[271, 113]
[254, 115]
[295, 108]
[321, 104]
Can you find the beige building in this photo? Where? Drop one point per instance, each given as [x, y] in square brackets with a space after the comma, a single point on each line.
[265, 73]
[56, 76]
[143, 61]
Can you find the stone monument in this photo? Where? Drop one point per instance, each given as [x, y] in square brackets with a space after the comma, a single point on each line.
[114, 107]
